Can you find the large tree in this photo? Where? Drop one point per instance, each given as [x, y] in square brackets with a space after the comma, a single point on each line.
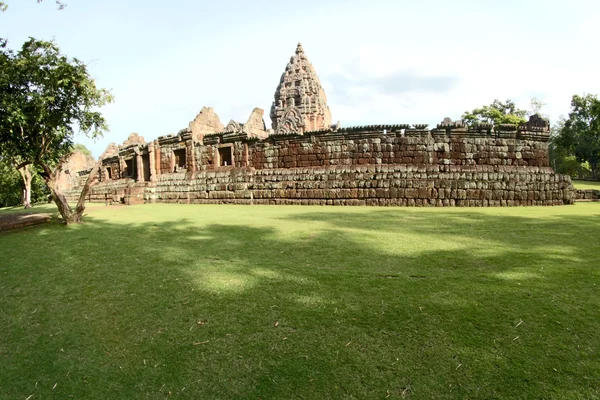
[496, 113]
[581, 131]
[44, 97]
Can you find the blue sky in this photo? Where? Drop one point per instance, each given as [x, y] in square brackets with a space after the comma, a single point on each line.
[379, 61]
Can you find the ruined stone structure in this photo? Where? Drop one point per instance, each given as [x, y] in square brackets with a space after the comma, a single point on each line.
[73, 173]
[300, 103]
[206, 122]
[306, 160]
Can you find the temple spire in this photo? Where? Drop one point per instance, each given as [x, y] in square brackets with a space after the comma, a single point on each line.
[300, 102]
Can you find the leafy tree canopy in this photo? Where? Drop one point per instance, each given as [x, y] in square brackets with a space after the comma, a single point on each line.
[44, 97]
[496, 113]
[580, 133]
[78, 147]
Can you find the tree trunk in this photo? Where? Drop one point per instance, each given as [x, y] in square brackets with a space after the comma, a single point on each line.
[89, 183]
[26, 175]
[69, 215]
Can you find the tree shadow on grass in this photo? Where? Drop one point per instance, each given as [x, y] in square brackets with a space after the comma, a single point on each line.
[349, 305]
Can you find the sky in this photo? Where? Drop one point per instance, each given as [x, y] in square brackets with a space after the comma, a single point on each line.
[379, 61]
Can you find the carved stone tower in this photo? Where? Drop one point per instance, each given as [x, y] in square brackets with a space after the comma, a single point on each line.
[300, 103]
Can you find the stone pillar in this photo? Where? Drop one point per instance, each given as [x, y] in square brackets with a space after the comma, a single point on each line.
[216, 158]
[157, 163]
[140, 167]
[172, 162]
[152, 160]
[122, 167]
[191, 151]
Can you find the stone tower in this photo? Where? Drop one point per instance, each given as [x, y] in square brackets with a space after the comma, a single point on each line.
[300, 103]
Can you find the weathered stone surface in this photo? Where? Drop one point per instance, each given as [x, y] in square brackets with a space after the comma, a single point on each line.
[69, 176]
[234, 126]
[255, 126]
[133, 138]
[587, 195]
[300, 102]
[398, 185]
[207, 121]
[111, 150]
[307, 161]
[10, 222]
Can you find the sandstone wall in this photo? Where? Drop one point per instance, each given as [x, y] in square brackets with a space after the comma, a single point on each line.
[352, 168]
[400, 185]
[587, 195]
[314, 151]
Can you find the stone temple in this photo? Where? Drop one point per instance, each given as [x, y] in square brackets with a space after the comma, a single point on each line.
[305, 159]
[300, 103]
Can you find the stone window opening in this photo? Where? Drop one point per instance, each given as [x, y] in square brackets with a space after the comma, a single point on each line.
[108, 173]
[225, 156]
[180, 159]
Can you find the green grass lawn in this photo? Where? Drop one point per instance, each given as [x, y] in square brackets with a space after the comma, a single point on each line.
[586, 184]
[258, 302]
[49, 208]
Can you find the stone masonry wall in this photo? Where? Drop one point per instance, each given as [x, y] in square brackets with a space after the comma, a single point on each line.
[401, 185]
[391, 149]
[364, 168]
[587, 195]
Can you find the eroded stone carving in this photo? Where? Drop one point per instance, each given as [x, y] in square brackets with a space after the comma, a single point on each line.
[111, 150]
[234, 126]
[291, 122]
[207, 121]
[300, 95]
[133, 138]
[537, 123]
[255, 126]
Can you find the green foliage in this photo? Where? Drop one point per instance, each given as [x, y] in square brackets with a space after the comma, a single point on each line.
[78, 147]
[39, 189]
[496, 113]
[12, 185]
[561, 158]
[580, 133]
[276, 302]
[43, 96]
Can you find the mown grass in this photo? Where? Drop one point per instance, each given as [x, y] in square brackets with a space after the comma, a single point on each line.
[48, 208]
[579, 184]
[258, 302]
